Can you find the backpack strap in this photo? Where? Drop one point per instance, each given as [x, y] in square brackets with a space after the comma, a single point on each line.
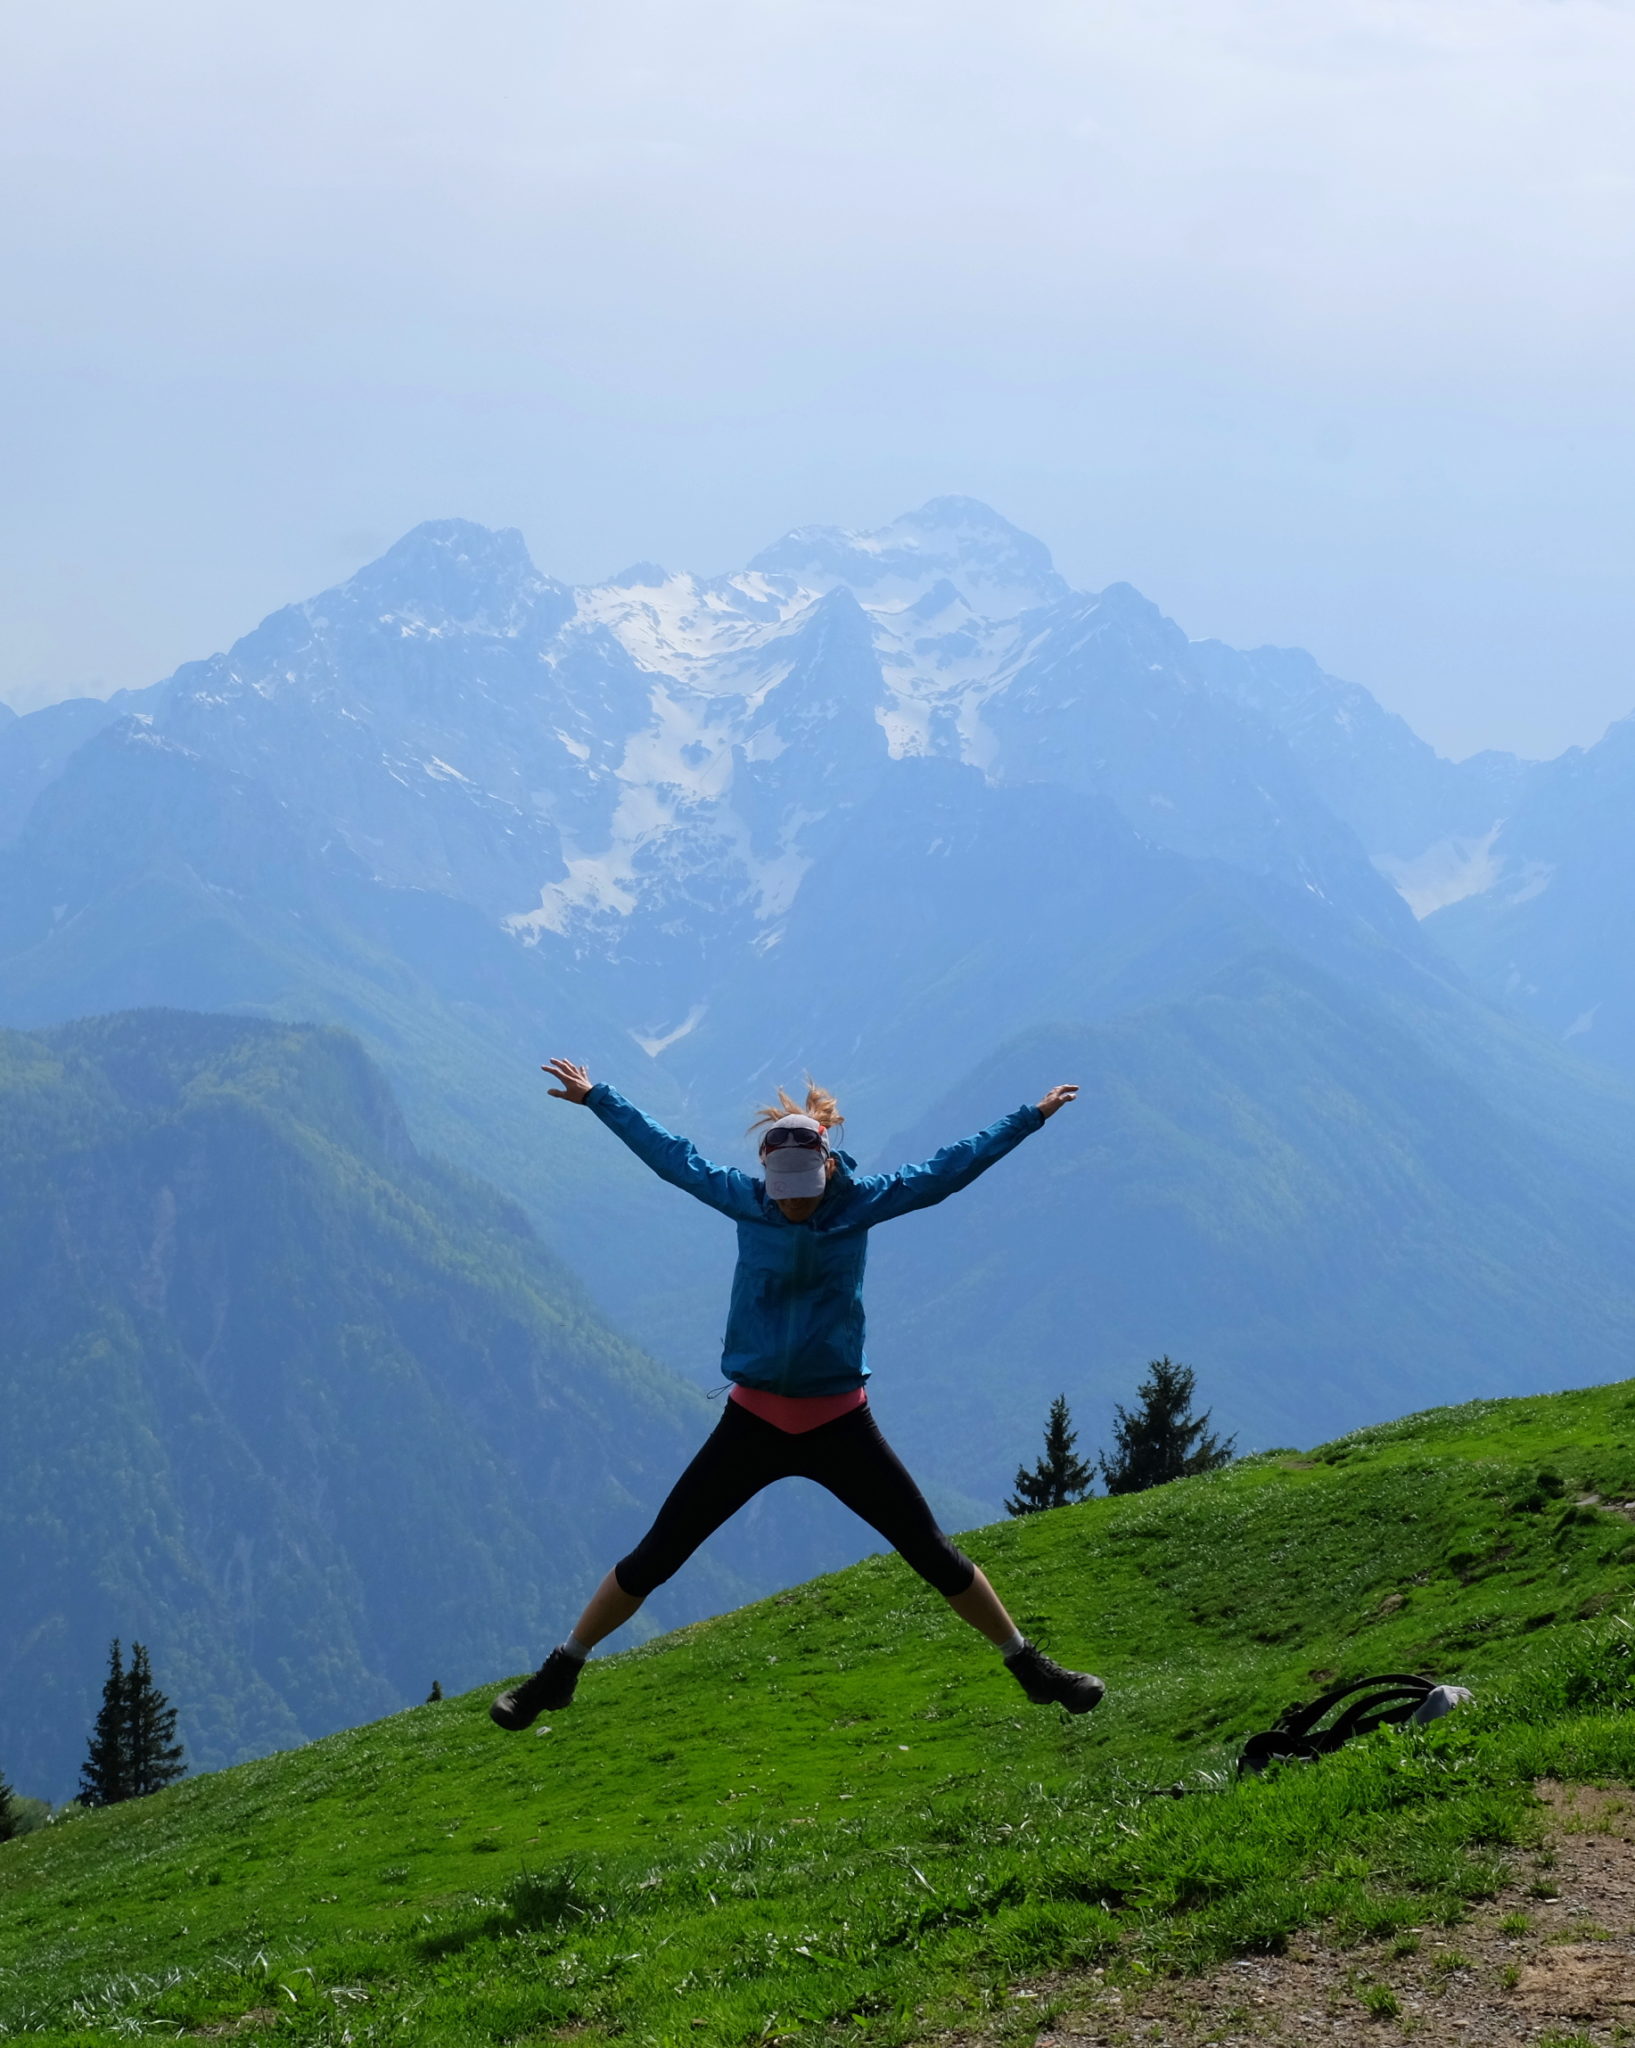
[1300, 1718]
[1385, 1705]
[1274, 1748]
[1389, 1697]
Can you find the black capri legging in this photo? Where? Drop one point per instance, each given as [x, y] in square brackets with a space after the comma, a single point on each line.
[743, 1454]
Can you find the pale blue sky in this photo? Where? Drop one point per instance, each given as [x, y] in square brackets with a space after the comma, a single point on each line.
[1312, 320]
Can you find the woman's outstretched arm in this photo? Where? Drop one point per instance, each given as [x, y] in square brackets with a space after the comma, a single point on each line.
[885, 1195]
[671, 1158]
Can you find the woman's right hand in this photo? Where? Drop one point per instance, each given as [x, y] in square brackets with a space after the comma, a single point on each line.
[576, 1083]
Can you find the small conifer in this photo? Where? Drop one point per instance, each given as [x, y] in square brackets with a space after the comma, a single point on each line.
[435, 1694]
[133, 1748]
[105, 1778]
[1163, 1439]
[150, 1719]
[1059, 1477]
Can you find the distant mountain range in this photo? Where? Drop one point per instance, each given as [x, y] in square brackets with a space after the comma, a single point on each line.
[903, 809]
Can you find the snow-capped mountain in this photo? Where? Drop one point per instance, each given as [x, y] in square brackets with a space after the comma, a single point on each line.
[964, 644]
[641, 775]
[644, 771]
[954, 545]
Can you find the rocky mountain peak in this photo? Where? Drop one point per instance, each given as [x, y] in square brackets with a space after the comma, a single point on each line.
[453, 568]
[994, 566]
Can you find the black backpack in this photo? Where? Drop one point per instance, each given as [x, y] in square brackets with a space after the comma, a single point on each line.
[1386, 1701]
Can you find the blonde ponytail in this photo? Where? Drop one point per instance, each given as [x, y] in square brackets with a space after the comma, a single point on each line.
[820, 1105]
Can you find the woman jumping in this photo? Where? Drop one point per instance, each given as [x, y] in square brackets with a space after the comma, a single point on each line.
[794, 1357]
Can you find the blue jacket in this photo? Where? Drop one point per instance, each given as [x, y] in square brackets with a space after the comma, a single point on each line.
[796, 1321]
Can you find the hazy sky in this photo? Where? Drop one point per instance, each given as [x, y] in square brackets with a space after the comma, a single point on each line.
[1312, 318]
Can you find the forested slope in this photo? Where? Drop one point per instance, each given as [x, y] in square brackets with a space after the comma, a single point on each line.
[1333, 1210]
[315, 1417]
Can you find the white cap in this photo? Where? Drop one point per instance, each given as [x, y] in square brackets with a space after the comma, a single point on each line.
[795, 1173]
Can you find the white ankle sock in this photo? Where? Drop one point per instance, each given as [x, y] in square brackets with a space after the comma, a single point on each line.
[1014, 1648]
[572, 1647]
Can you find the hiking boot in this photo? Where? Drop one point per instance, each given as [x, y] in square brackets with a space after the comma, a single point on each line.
[1046, 1683]
[547, 1692]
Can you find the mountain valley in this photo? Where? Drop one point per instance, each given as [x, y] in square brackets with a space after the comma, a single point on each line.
[902, 810]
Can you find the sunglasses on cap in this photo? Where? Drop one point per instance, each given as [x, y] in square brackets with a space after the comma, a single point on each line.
[776, 1140]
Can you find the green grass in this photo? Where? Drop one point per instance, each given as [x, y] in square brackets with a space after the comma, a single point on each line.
[833, 1813]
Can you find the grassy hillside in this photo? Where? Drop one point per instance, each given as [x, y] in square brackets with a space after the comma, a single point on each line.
[834, 1812]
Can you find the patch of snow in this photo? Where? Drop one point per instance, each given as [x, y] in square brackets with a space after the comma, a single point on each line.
[937, 679]
[978, 743]
[775, 881]
[675, 779]
[577, 748]
[1582, 1023]
[685, 747]
[656, 1044]
[705, 634]
[593, 887]
[440, 771]
[765, 745]
[161, 743]
[906, 723]
[1535, 879]
[1447, 872]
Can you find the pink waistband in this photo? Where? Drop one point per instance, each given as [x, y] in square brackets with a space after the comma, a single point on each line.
[794, 1414]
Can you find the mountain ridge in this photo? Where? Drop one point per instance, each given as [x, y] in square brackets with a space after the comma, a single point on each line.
[707, 833]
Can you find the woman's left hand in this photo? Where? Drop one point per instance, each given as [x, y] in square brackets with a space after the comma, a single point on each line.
[575, 1081]
[1057, 1097]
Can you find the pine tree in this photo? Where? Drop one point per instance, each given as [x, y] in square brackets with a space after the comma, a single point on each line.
[133, 1749]
[8, 1812]
[150, 1722]
[435, 1694]
[105, 1778]
[1059, 1477]
[1163, 1440]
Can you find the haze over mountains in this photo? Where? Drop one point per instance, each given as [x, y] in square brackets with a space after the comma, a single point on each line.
[903, 810]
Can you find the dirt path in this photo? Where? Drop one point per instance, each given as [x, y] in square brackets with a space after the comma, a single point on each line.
[1562, 1975]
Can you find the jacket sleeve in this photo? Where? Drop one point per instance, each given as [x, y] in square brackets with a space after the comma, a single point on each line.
[673, 1159]
[884, 1195]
